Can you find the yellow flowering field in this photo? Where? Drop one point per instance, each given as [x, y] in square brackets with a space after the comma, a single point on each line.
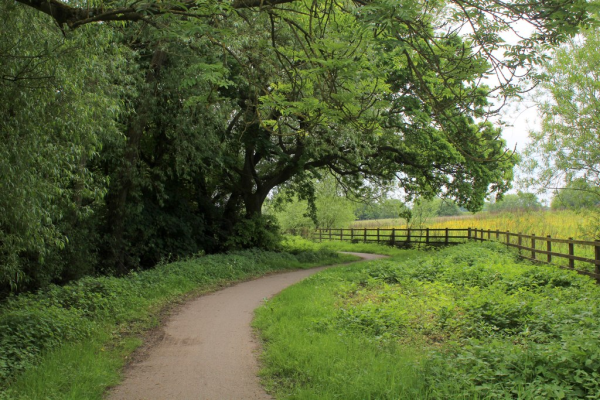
[560, 224]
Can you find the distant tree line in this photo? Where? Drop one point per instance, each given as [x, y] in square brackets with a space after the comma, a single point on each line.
[522, 201]
[578, 194]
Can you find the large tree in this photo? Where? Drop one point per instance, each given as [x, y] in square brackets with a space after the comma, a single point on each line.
[188, 114]
[577, 195]
[567, 146]
[60, 100]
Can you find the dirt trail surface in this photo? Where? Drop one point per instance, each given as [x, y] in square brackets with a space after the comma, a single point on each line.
[208, 351]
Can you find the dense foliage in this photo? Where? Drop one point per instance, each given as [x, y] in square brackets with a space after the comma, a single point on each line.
[563, 155]
[380, 209]
[139, 131]
[566, 147]
[577, 195]
[328, 208]
[60, 105]
[522, 201]
[464, 322]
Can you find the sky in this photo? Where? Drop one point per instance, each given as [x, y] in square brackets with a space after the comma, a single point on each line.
[521, 118]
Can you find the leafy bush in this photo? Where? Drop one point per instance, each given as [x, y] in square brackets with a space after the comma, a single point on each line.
[259, 231]
[26, 332]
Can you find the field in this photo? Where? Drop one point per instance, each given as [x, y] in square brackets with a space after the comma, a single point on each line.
[466, 322]
[560, 224]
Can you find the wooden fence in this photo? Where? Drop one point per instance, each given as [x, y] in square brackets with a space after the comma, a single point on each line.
[578, 255]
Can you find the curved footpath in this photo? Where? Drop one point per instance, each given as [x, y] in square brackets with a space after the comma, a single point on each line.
[208, 350]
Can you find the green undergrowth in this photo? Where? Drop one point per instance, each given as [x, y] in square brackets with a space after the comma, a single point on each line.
[70, 342]
[373, 248]
[465, 322]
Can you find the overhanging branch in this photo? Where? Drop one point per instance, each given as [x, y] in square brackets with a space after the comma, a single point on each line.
[74, 17]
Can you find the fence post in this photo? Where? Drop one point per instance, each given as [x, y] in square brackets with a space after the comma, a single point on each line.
[365, 236]
[408, 235]
[330, 234]
[498, 235]
[571, 253]
[446, 236]
[393, 236]
[489, 234]
[341, 234]
[533, 246]
[507, 238]
[320, 235]
[351, 234]
[597, 266]
[427, 235]
[469, 234]
[377, 235]
[475, 234]
[549, 250]
[520, 239]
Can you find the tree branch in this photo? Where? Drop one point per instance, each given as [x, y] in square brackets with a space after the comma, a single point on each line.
[74, 17]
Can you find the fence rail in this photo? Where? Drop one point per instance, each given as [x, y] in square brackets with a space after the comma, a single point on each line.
[582, 256]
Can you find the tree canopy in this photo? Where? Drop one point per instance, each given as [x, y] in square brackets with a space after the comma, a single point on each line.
[577, 195]
[568, 145]
[522, 201]
[140, 130]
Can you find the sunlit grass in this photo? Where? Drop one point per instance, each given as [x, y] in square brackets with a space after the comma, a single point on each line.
[307, 361]
[466, 322]
[556, 224]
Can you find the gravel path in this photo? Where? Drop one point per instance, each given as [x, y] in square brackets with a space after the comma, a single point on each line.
[208, 350]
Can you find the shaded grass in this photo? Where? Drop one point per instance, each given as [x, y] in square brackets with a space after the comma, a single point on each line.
[71, 342]
[78, 371]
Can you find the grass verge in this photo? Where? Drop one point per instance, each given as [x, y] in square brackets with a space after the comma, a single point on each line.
[71, 342]
[298, 242]
[466, 322]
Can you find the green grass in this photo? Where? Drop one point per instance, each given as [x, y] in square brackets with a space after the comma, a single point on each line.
[71, 342]
[314, 362]
[468, 322]
[77, 371]
[372, 248]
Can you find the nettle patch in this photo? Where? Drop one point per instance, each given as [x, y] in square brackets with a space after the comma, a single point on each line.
[491, 327]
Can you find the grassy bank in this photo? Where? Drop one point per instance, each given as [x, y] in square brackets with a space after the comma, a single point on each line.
[297, 242]
[467, 322]
[71, 342]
